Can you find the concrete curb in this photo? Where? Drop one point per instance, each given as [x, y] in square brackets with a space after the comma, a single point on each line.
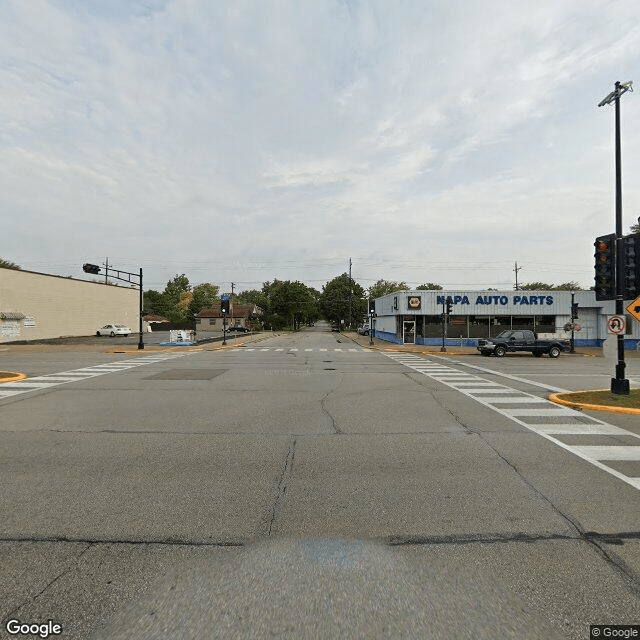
[14, 378]
[555, 397]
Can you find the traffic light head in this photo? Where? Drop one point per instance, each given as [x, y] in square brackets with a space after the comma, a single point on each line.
[631, 266]
[574, 311]
[605, 267]
[224, 305]
[449, 304]
[372, 307]
[90, 268]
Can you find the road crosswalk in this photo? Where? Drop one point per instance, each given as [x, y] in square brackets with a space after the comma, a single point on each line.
[283, 349]
[537, 414]
[37, 383]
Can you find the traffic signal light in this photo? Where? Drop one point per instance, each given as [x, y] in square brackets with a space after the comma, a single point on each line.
[449, 305]
[605, 266]
[631, 266]
[372, 307]
[90, 268]
[574, 311]
[224, 305]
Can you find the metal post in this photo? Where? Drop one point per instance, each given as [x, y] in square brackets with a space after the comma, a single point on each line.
[444, 328]
[140, 342]
[619, 384]
[573, 298]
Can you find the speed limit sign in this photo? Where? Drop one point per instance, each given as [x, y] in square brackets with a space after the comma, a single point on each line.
[616, 324]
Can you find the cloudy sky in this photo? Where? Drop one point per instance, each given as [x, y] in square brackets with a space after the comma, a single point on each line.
[242, 140]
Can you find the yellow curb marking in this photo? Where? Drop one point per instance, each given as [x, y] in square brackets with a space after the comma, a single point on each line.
[13, 378]
[555, 397]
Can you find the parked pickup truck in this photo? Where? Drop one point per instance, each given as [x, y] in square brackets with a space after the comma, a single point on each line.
[521, 341]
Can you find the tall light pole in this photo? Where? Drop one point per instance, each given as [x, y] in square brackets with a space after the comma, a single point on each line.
[619, 384]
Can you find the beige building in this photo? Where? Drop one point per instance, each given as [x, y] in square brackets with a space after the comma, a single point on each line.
[35, 306]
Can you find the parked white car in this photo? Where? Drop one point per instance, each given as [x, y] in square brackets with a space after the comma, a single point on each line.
[114, 330]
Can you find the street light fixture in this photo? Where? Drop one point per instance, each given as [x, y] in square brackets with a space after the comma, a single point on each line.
[619, 384]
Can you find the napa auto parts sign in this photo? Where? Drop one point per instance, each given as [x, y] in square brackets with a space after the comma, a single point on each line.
[499, 300]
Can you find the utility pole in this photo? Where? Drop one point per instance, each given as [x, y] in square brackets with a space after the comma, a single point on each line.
[517, 268]
[106, 269]
[350, 293]
[619, 384]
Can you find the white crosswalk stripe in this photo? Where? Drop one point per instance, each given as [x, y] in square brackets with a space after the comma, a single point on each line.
[37, 383]
[550, 419]
[324, 350]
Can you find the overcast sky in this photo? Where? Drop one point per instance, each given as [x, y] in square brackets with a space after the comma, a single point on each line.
[244, 140]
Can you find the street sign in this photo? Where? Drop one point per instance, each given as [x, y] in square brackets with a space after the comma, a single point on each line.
[616, 324]
[634, 309]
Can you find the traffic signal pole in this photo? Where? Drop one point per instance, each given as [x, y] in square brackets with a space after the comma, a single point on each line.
[619, 384]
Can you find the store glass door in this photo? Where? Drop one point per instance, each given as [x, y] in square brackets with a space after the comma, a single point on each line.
[409, 332]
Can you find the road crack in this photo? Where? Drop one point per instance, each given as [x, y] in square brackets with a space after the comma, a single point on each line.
[281, 488]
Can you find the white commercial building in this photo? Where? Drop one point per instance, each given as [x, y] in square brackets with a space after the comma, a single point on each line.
[415, 316]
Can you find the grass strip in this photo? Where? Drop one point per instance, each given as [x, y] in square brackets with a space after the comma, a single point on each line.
[604, 397]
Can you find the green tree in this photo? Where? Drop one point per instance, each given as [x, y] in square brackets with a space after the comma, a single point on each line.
[335, 297]
[429, 286]
[153, 302]
[535, 286]
[383, 287]
[203, 296]
[172, 297]
[543, 286]
[568, 286]
[7, 264]
[253, 296]
[290, 304]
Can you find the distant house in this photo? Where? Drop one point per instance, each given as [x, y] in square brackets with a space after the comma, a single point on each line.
[241, 315]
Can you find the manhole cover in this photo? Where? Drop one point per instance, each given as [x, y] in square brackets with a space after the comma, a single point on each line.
[187, 374]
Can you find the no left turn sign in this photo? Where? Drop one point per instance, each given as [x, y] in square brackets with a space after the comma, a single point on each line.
[616, 324]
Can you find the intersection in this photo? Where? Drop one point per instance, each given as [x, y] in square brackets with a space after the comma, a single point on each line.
[304, 481]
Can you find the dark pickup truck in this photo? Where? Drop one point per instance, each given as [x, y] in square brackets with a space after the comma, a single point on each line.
[521, 341]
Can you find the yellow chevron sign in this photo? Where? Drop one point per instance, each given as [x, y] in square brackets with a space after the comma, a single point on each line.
[634, 309]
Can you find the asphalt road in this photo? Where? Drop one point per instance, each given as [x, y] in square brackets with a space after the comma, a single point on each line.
[302, 486]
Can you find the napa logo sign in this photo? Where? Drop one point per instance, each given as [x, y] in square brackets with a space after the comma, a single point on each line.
[498, 300]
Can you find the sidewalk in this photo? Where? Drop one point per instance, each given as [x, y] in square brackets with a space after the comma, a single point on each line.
[383, 345]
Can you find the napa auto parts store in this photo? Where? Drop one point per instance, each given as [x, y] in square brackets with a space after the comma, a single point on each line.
[414, 317]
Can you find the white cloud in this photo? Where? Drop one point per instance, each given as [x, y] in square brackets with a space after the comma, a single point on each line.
[186, 132]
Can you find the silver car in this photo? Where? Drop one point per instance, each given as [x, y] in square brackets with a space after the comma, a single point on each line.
[113, 330]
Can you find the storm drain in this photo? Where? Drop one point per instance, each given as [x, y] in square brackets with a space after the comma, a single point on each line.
[187, 374]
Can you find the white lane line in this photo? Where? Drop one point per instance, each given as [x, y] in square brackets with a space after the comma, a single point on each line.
[581, 429]
[544, 410]
[279, 349]
[503, 399]
[337, 349]
[292, 349]
[595, 455]
[308, 349]
[609, 452]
